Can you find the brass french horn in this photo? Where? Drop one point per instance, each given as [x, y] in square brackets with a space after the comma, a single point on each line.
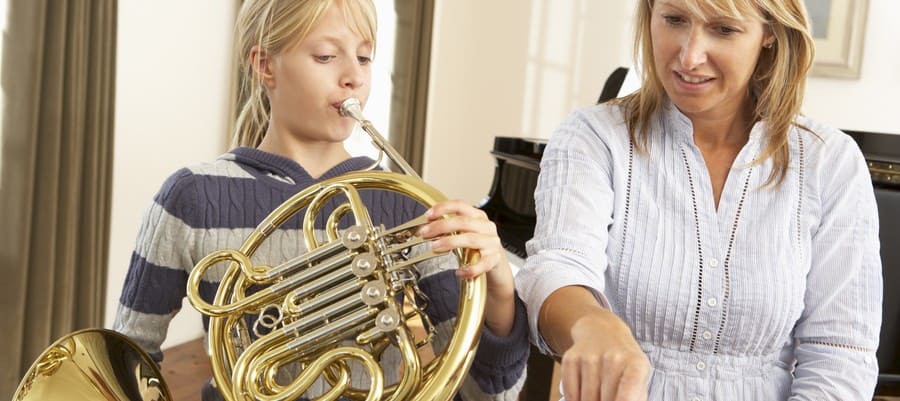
[93, 364]
[342, 303]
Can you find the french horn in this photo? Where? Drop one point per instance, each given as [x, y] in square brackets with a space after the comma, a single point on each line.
[345, 301]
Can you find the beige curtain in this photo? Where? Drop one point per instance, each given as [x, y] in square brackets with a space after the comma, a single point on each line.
[58, 74]
[412, 59]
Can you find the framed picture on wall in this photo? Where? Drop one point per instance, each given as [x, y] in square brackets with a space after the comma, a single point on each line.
[838, 28]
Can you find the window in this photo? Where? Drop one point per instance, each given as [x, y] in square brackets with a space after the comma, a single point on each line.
[378, 108]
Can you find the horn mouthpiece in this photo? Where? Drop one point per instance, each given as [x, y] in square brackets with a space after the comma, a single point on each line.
[351, 108]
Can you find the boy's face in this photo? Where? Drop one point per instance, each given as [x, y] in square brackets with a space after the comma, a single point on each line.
[310, 80]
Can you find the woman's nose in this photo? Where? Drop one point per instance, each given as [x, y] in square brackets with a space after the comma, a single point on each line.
[693, 50]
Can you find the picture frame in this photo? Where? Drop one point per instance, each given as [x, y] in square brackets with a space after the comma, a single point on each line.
[838, 30]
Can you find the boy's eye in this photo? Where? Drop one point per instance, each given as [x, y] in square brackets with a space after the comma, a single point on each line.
[673, 20]
[324, 59]
[363, 60]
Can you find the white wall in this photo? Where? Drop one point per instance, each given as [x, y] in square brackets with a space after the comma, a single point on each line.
[513, 68]
[172, 91]
[517, 68]
[871, 102]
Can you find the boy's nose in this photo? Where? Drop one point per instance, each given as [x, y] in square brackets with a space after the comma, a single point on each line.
[353, 76]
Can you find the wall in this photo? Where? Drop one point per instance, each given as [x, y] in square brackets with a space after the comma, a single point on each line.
[869, 103]
[172, 90]
[517, 68]
[513, 68]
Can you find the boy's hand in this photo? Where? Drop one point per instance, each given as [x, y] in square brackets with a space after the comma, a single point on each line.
[473, 230]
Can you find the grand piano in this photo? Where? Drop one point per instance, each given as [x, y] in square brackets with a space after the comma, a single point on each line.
[510, 204]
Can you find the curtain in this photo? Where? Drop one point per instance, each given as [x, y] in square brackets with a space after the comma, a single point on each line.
[412, 59]
[57, 142]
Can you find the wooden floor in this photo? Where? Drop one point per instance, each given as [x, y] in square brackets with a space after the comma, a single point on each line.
[186, 368]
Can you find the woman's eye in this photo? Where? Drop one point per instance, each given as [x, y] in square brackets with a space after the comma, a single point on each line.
[363, 60]
[725, 30]
[324, 59]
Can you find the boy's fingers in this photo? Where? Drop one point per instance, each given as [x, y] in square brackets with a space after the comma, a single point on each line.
[455, 207]
[458, 224]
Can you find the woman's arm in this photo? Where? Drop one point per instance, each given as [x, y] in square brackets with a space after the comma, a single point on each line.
[600, 358]
[564, 276]
[838, 331]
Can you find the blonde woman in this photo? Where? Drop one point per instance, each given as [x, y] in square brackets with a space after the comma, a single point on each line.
[700, 239]
[301, 59]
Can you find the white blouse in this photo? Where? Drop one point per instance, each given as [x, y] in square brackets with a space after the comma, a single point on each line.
[775, 295]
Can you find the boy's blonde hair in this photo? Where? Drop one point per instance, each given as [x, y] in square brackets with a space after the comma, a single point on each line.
[777, 85]
[276, 25]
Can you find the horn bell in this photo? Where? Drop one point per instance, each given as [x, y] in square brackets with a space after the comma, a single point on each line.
[93, 364]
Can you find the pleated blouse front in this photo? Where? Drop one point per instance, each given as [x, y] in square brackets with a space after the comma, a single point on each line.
[775, 294]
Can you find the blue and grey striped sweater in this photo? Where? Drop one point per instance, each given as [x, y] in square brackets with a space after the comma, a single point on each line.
[216, 205]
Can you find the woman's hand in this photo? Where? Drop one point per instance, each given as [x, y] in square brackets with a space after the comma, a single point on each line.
[604, 363]
[601, 360]
[456, 224]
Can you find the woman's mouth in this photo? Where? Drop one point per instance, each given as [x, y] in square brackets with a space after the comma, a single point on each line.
[691, 79]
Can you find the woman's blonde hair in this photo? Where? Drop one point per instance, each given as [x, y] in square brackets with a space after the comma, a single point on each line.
[276, 25]
[777, 85]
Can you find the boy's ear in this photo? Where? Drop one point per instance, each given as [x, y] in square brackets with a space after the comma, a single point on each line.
[262, 66]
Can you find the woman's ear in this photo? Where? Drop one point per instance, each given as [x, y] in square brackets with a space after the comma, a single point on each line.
[768, 37]
[262, 66]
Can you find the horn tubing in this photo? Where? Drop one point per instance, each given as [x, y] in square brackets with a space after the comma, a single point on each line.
[324, 251]
[351, 108]
[295, 306]
[325, 267]
[360, 213]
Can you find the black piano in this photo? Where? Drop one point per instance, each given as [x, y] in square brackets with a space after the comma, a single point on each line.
[511, 201]
[510, 204]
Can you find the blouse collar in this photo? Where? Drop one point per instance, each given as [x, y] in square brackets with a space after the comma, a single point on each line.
[681, 127]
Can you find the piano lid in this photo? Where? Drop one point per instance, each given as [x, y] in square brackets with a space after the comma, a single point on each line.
[510, 203]
[882, 153]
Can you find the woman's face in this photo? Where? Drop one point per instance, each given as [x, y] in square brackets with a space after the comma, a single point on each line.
[309, 81]
[705, 66]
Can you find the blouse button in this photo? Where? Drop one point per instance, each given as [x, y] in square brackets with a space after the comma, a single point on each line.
[712, 302]
[701, 365]
[707, 335]
[713, 262]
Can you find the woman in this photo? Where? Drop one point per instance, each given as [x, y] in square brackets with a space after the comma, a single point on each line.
[700, 239]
